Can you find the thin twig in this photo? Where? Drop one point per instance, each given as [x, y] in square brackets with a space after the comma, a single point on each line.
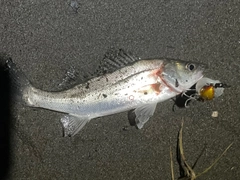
[188, 171]
[171, 157]
[216, 160]
[200, 155]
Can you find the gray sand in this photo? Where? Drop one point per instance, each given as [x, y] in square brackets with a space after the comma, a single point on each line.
[45, 38]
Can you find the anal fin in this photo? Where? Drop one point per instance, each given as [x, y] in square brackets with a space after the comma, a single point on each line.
[72, 124]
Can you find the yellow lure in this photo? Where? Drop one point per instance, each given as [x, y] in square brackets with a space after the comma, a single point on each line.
[207, 92]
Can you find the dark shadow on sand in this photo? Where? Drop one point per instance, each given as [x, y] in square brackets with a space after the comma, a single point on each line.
[4, 118]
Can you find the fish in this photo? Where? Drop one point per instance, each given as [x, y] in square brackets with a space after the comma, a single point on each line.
[122, 83]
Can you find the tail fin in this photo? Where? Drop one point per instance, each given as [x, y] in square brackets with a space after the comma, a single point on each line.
[19, 83]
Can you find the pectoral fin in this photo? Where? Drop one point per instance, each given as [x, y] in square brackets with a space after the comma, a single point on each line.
[141, 114]
[72, 124]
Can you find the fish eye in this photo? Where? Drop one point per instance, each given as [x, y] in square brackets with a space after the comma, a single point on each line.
[190, 66]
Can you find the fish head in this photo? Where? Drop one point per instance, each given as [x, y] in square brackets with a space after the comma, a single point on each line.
[181, 75]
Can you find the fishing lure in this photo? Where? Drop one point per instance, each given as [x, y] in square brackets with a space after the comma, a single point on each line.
[204, 90]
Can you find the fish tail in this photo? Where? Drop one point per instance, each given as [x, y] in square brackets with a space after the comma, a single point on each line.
[20, 85]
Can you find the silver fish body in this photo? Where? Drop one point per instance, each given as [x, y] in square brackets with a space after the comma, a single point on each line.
[112, 93]
[140, 86]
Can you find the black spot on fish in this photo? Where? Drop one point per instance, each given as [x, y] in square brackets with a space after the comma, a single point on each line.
[87, 86]
[141, 77]
[176, 83]
[104, 95]
[106, 79]
[145, 93]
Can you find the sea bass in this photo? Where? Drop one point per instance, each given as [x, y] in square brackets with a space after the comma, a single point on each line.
[123, 83]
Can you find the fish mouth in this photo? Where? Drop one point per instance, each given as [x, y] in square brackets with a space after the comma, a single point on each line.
[199, 78]
[200, 72]
[202, 68]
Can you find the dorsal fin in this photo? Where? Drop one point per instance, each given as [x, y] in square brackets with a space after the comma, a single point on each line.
[113, 60]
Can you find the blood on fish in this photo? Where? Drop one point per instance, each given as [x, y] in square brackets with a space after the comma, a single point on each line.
[156, 88]
[156, 72]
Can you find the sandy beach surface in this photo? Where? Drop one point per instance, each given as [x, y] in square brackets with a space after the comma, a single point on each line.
[47, 38]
